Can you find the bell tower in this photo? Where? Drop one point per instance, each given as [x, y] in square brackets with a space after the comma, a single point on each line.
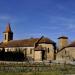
[8, 34]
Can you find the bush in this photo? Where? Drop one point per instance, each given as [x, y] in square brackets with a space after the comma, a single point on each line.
[11, 56]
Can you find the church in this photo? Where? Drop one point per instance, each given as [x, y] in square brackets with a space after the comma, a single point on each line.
[36, 49]
[39, 49]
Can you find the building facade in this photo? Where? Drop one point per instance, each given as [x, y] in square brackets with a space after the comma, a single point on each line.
[36, 49]
[67, 53]
[39, 49]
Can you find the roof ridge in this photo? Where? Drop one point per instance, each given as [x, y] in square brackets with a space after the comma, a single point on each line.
[23, 39]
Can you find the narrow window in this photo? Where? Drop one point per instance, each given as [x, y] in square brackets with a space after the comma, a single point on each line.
[5, 36]
[25, 51]
[30, 51]
[65, 51]
[48, 50]
[62, 56]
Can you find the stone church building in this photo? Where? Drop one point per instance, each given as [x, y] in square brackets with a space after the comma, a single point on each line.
[39, 49]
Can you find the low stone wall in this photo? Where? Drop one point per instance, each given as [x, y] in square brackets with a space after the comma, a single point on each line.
[37, 67]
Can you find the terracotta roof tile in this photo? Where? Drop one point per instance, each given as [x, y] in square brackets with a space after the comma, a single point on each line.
[25, 43]
[46, 40]
[38, 48]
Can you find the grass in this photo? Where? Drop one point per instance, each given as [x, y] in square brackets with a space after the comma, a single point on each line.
[56, 69]
[57, 72]
[32, 73]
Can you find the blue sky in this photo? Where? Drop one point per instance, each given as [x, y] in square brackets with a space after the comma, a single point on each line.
[34, 18]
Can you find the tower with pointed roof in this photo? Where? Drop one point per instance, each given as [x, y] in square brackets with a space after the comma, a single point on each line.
[8, 34]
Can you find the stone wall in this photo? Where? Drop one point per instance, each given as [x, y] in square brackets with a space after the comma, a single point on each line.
[66, 54]
[49, 50]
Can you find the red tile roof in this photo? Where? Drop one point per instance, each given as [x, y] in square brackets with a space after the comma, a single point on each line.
[46, 40]
[38, 48]
[26, 42]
